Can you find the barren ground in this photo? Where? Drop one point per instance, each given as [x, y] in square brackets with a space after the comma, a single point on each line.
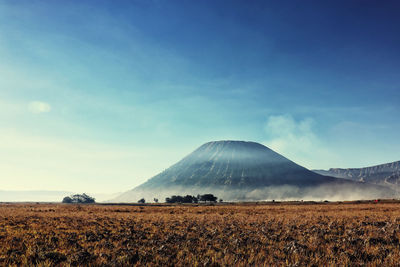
[232, 234]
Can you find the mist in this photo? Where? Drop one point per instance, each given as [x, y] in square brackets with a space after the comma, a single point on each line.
[47, 196]
[33, 196]
[329, 191]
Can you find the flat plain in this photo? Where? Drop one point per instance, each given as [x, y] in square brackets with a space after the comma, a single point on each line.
[262, 234]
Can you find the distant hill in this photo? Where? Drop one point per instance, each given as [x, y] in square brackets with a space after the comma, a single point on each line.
[45, 196]
[383, 174]
[239, 170]
[33, 196]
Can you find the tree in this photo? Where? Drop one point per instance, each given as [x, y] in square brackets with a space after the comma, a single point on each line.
[156, 200]
[181, 199]
[174, 199]
[67, 200]
[142, 200]
[208, 197]
[79, 198]
[188, 199]
[191, 199]
[82, 198]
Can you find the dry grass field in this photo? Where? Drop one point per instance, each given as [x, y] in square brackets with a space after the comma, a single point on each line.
[223, 235]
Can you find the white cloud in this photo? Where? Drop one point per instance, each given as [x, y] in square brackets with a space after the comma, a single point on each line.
[39, 107]
[297, 141]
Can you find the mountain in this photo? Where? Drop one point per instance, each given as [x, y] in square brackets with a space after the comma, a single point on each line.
[239, 170]
[384, 174]
[233, 164]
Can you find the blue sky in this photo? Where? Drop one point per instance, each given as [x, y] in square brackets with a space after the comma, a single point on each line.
[99, 96]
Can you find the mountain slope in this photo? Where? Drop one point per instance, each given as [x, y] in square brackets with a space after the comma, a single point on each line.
[238, 170]
[234, 164]
[383, 174]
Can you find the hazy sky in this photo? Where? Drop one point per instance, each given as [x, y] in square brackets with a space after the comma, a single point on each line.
[98, 96]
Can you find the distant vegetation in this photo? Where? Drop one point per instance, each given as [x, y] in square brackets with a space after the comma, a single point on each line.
[191, 199]
[84, 199]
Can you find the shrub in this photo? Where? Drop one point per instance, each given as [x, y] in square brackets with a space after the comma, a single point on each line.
[77, 198]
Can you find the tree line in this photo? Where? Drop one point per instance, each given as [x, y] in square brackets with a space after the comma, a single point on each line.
[84, 198]
[186, 199]
[191, 199]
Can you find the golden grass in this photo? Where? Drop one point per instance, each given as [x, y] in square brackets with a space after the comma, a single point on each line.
[221, 235]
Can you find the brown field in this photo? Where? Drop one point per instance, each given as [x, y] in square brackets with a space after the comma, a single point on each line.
[242, 234]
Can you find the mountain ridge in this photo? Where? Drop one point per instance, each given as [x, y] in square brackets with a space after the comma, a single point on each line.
[382, 174]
